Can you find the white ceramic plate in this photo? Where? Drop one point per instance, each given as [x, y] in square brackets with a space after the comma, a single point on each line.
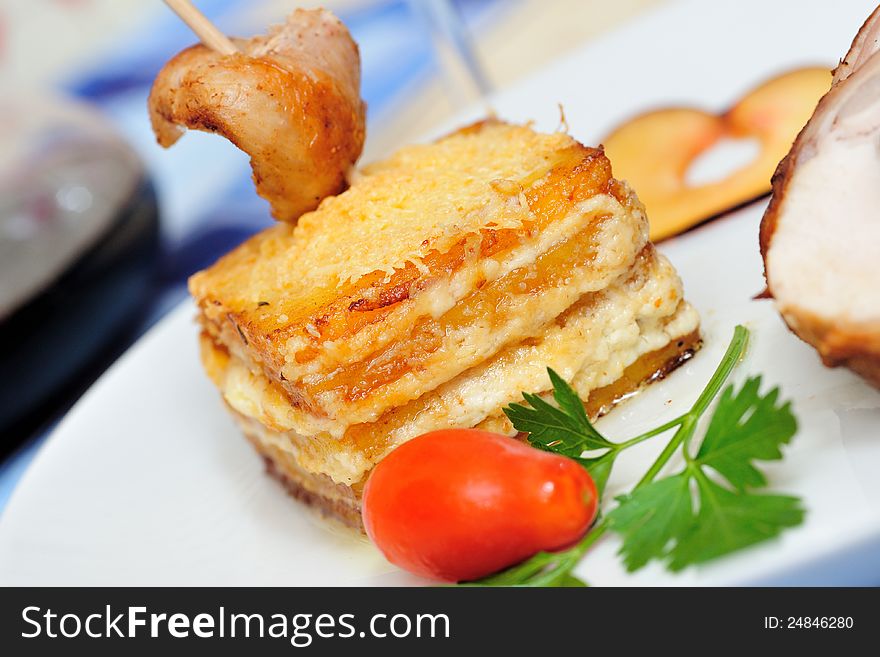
[147, 482]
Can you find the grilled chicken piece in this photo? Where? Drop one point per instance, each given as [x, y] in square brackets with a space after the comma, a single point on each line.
[820, 236]
[289, 99]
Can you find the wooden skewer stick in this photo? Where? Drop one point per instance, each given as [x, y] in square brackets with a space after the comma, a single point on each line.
[204, 29]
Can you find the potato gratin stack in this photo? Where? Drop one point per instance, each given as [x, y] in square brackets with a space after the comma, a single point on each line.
[434, 291]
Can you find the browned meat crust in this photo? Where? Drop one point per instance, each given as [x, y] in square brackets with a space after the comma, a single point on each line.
[289, 99]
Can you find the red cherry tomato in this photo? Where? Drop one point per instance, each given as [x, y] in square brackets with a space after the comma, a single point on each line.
[460, 504]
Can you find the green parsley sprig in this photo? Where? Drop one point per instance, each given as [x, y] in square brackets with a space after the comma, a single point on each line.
[708, 509]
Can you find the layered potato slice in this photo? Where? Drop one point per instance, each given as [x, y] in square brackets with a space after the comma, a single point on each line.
[431, 263]
[434, 291]
[608, 344]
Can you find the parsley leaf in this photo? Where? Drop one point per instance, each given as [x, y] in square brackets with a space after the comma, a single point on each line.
[564, 428]
[567, 580]
[659, 520]
[729, 521]
[599, 468]
[542, 569]
[744, 427]
[650, 518]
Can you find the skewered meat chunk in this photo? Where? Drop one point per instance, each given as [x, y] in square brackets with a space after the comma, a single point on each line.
[289, 99]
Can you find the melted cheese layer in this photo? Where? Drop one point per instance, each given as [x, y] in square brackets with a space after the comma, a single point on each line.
[590, 345]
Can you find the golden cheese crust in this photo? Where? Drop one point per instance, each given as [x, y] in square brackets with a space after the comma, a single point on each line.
[351, 326]
[431, 294]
